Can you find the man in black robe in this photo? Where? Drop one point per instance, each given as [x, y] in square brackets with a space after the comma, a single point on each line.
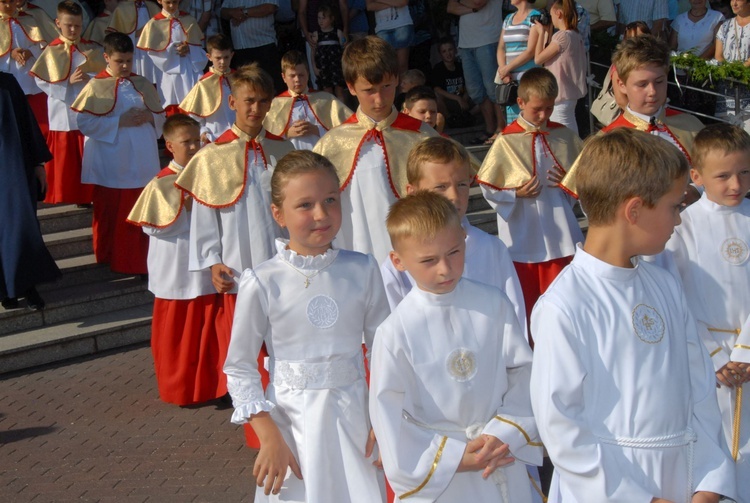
[24, 259]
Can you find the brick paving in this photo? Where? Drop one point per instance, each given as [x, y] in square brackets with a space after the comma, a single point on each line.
[94, 429]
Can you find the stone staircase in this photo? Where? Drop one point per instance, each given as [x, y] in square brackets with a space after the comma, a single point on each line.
[92, 309]
[89, 309]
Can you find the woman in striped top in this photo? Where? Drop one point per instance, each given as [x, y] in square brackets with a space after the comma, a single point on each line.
[515, 51]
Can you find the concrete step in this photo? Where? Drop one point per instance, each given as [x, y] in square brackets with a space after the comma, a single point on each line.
[77, 302]
[89, 335]
[478, 151]
[80, 270]
[63, 217]
[70, 243]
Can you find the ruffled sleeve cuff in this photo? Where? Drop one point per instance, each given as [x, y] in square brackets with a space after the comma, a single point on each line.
[244, 412]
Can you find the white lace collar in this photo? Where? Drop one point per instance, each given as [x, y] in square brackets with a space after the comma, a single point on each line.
[305, 262]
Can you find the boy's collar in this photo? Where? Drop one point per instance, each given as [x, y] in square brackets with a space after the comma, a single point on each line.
[646, 118]
[529, 127]
[245, 136]
[370, 123]
[170, 15]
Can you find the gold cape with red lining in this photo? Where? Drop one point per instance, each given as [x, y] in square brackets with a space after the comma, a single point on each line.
[28, 25]
[161, 202]
[100, 94]
[125, 17]
[682, 127]
[511, 162]
[398, 133]
[326, 108]
[157, 33]
[46, 24]
[206, 96]
[97, 28]
[216, 176]
[54, 64]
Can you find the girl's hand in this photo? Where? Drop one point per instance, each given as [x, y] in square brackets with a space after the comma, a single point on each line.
[274, 458]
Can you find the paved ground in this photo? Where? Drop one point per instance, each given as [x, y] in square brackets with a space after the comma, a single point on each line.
[93, 429]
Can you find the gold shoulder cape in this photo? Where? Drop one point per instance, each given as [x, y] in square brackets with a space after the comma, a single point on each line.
[54, 64]
[511, 163]
[97, 28]
[326, 108]
[125, 17]
[157, 34]
[682, 127]
[397, 133]
[100, 94]
[28, 25]
[216, 176]
[206, 96]
[45, 23]
[161, 202]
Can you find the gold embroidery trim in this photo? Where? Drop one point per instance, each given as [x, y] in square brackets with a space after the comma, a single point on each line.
[735, 331]
[523, 432]
[741, 346]
[736, 423]
[537, 488]
[715, 352]
[432, 470]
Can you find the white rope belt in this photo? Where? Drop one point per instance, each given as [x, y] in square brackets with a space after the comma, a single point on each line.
[317, 375]
[471, 432]
[329, 42]
[681, 439]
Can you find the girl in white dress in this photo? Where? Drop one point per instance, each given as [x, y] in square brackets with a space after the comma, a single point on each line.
[312, 305]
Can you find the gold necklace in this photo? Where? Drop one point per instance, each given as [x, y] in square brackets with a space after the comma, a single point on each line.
[308, 277]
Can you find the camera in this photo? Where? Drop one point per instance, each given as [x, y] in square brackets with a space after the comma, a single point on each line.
[542, 18]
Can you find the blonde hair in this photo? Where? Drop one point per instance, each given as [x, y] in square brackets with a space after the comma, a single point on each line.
[294, 164]
[371, 58]
[421, 215]
[636, 52]
[254, 77]
[435, 149]
[538, 82]
[725, 138]
[176, 122]
[623, 164]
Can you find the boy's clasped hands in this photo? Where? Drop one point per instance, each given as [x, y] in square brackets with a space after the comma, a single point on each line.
[485, 453]
[136, 117]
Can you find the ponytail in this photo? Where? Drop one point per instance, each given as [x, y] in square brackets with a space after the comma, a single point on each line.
[569, 14]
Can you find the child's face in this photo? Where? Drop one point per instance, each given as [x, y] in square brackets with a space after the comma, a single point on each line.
[70, 26]
[184, 143]
[120, 64]
[447, 53]
[296, 78]
[251, 106]
[725, 176]
[7, 7]
[656, 225]
[171, 6]
[311, 211]
[220, 59]
[451, 180]
[536, 110]
[646, 89]
[435, 264]
[376, 100]
[424, 110]
[325, 21]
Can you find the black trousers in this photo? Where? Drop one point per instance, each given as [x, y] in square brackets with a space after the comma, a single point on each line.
[267, 56]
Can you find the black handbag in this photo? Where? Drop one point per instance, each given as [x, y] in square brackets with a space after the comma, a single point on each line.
[506, 93]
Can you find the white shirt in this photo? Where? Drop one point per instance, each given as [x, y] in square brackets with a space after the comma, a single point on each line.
[696, 36]
[487, 261]
[9, 65]
[446, 368]
[392, 18]
[61, 95]
[318, 390]
[481, 28]
[618, 363]
[301, 111]
[120, 158]
[222, 119]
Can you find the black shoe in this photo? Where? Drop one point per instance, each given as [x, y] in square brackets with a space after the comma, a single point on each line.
[34, 301]
[10, 302]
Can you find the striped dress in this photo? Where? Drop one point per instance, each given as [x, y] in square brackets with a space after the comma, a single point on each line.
[516, 38]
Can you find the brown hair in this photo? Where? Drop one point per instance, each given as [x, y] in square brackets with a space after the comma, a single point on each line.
[725, 138]
[421, 215]
[418, 93]
[569, 14]
[538, 82]
[293, 164]
[637, 52]
[253, 76]
[117, 42]
[371, 58]
[291, 59]
[435, 149]
[175, 122]
[219, 42]
[623, 164]
[69, 7]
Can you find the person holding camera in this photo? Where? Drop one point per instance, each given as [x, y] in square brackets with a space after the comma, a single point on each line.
[515, 51]
[563, 54]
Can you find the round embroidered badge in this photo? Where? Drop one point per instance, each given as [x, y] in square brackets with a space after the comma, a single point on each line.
[734, 251]
[322, 311]
[648, 324]
[461, 364]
